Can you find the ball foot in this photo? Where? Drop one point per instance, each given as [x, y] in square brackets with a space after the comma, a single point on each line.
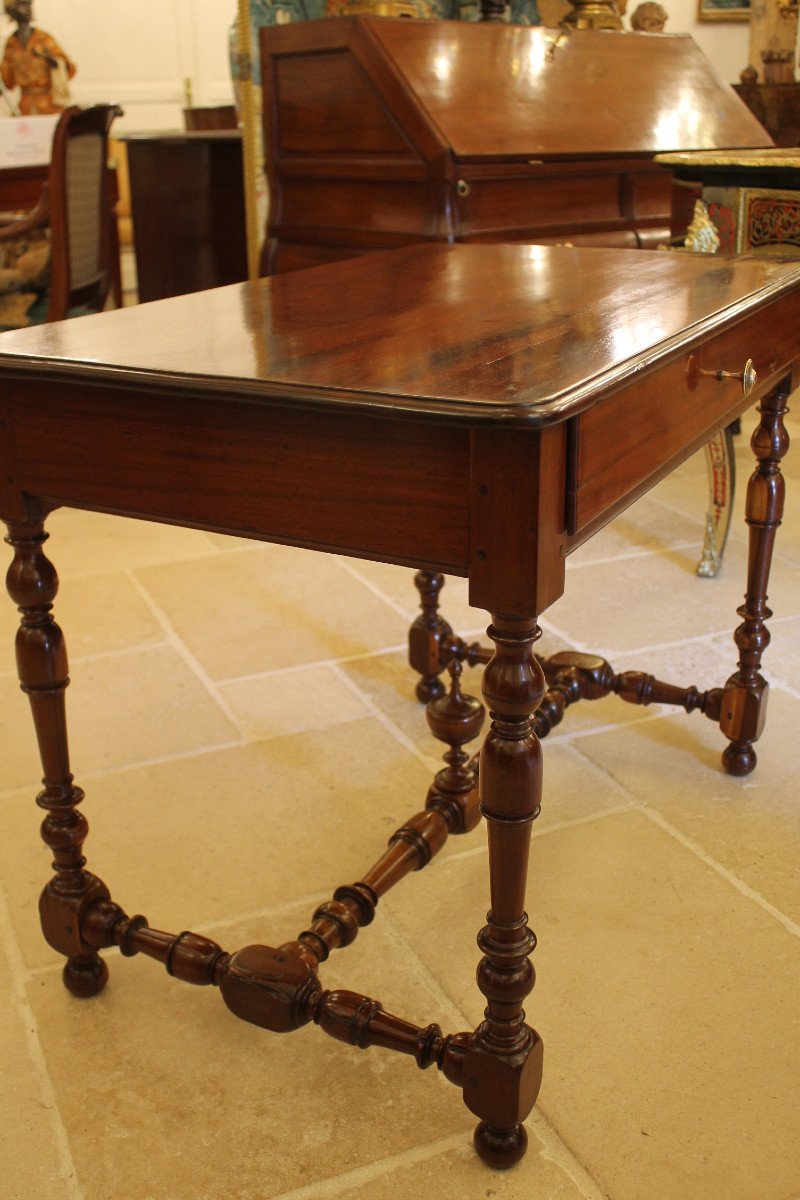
[85, 976]
[739, 758]
[500, 1148]
[430, 687]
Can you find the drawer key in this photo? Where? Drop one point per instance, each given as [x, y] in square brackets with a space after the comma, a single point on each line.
[748, 376]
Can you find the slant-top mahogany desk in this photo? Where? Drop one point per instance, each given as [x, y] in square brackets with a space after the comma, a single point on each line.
[479, 410]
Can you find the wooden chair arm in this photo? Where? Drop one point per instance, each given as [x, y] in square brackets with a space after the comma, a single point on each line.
[38, 217]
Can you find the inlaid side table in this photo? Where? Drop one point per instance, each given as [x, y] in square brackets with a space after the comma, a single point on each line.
[479, 410]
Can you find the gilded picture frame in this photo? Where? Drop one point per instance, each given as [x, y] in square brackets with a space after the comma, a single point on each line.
[723, 10]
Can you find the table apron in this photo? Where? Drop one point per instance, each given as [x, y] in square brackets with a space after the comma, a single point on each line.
[365, 485]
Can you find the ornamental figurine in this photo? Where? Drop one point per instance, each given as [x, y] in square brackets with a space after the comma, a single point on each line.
[649, 18]
[35, 63]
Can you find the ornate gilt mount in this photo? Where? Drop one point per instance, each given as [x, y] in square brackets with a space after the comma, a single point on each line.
[594, 14]
[701, 236]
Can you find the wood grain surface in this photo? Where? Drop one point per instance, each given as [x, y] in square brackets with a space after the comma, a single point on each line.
[521, 334]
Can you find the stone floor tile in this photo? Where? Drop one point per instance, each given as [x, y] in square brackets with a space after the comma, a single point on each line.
[260, 610]
[34, 1162]
[166, 1096]
[456, 1171]
[205, 837]
[388, 683]
[122, 709]
[89, 543]
[98, 614]
[750, 825]
[667, 1002]
[646, 526]
[671, 603]
[290, 701]
[226, 543]
[394, 583]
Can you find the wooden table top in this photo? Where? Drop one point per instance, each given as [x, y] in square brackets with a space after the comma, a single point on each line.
[184, 135]
[524, 335]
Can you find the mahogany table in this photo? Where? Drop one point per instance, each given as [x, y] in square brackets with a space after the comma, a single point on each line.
[479, 410]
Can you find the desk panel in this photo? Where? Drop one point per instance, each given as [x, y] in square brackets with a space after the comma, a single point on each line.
[322, 480]
[187, 204]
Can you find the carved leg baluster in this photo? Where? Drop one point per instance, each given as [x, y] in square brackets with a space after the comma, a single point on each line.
[42, 667]
[744, 699]
[471, 653]
[426, 636]
[572, 676]
[277, 990]
[456, 719]
[451, 807]
[502, 1072]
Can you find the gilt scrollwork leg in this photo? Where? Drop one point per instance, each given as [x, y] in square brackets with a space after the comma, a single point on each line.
[42, 667]
[744, 697]
[721, 467]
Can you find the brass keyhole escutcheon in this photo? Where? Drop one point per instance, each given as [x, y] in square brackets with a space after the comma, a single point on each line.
[748, 376]
[462, 187]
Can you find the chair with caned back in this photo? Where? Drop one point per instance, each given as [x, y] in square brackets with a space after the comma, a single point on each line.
[63, 255]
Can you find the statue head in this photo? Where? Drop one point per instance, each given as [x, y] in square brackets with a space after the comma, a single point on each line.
[20, 11]
[649, 17]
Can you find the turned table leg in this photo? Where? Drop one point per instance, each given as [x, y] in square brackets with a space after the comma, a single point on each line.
[503, 1066]
[427, 636]
[42, 667]
[744, 698]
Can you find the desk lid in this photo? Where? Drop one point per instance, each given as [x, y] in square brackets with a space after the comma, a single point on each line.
[493, 91]
[468, 333]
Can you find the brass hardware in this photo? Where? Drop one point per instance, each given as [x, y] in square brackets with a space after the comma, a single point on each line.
[779, 156]
[701, 236]
[553, 44]
[373, 8]
[593, 14]
[748, 376]
[462, 187]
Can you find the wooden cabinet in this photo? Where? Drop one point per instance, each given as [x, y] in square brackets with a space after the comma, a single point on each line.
[187, 204]
[385, 132]
[777, 107]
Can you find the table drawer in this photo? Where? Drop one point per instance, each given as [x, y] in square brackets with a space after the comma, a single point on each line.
[630, 440]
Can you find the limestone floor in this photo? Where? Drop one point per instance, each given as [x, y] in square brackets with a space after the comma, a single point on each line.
[243, 725]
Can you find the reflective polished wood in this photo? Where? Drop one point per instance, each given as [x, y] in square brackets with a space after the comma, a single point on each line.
[187, 205]
[20, 187]
[476, 409]
[382, 132]
[776, 106]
